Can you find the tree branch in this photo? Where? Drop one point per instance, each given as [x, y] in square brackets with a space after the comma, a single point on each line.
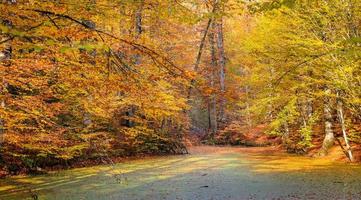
[292, 68]
[141, 48]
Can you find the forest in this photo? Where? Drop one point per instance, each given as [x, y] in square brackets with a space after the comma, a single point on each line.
[90, 82]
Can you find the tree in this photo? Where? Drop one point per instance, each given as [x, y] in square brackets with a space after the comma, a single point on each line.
[71, 63]
[306, 45]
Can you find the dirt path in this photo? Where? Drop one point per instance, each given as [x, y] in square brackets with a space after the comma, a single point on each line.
[208, 173]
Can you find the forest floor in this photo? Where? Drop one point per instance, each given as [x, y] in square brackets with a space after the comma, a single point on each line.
[207, 173]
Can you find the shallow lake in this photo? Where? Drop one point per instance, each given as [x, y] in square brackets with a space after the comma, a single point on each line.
[207, 173]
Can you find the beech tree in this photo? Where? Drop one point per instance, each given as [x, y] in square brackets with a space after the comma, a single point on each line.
[298, 51]
[87, 79]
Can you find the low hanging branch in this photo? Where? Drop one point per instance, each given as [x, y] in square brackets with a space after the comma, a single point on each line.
[158, 59]
[294, 67]
[26, 37]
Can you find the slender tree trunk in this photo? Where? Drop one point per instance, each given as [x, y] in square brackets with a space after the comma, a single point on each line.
[138, 29]
[199, 55]
[222, 64]
[309, 108]
[270, 94]
[5, 56]
[306, 109]
[138, 18]
[201, 46]
[286, 133]
[329, 135]
[209, 116]
[341, 119]
[213, 107]
[87, 121]
[2, 106]
[248, 113]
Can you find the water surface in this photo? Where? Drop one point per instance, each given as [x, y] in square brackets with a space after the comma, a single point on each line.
[208, 173]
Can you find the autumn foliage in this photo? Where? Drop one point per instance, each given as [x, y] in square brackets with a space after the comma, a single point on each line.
[89, 80]
[80, 82]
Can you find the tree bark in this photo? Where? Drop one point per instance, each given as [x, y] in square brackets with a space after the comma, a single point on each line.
[248, 113]
[270, 95]
[306, 110]
[286, 133]
[5, 57]
[137, 58]
[199, 55]
[201, 46]
[213, 106]
[341, 119]
[329, 135]
[222, 64]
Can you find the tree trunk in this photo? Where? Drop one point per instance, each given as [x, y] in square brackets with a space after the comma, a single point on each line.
[305, 105]
[138, 29]
[222, 64]
[201, 45]
[5, 56]
[2, 106]
[341, 119]
[137, 58]
[138, 19]
[329, 136]
[213, 106]
[286, 134]
[199, 55]
[309, 108]
[270, 95]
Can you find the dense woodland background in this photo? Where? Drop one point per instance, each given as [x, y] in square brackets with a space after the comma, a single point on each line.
[92, 80]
